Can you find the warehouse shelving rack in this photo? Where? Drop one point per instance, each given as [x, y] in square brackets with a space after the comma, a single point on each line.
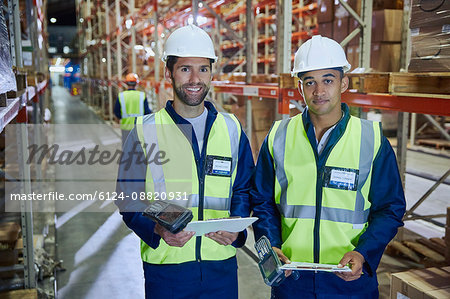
[16, 110]
[110, 28]
[238, 43]
[428, 104]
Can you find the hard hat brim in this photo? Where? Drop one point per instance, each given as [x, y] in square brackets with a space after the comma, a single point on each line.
[164, 58]
[345, 68]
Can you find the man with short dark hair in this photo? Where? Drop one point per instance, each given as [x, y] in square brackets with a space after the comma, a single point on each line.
[219, 165]
[327, 187]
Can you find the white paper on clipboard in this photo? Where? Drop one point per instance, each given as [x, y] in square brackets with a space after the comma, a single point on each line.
[227, 224]
[314, 267]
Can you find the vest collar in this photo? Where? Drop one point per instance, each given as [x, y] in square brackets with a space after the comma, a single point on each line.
[178, 119]
[340, 126]
[337, 132]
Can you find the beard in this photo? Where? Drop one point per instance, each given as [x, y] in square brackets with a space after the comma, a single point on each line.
[189, 99]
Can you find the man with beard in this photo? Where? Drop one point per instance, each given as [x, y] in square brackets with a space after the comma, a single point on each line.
[216, 173]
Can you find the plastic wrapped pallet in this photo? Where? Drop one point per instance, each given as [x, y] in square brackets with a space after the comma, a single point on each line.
[7, 78]
[430, 49]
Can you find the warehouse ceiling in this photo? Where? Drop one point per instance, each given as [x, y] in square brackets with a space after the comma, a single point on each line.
[63, 11]
[62, 33]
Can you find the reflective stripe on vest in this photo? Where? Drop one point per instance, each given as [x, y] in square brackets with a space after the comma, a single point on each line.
[219, 203]
[132, 105]
[150, 137]
[212, 203]
[217, 195]
[234, 133]
[357, 217]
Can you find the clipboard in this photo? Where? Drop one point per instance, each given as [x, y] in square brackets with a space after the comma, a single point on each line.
[226, 224]
[300, 266]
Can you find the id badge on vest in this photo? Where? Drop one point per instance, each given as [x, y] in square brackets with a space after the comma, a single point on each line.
[218, 166]
[341, 178]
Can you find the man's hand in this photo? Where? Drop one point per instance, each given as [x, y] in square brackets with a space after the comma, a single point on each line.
[356, 261]
[177, 240]
[223, 237]
[283, 259]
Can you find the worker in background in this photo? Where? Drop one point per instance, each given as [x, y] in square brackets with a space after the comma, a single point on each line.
[130, 104]
[181, 265]
[326, 186]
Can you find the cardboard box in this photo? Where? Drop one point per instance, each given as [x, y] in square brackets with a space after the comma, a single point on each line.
[8, 257]
[385, 57]
[9, 232]
[325, 11]
[258, 103]
[257, 140]
[436, 294]
[20, 294]
[340, 11]
[240, 112]
[387, 4]
[260, 136]
[353, 56]
[309, 21]
[429, 13]
[263, 114]
[387, 25]
[340, 29]
[352, 25]
[424, 283]
[326, 29]
[430, 49]
[262, 119]
[140, 3]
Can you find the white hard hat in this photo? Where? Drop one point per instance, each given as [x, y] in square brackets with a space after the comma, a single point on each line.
[319, 53]
[189, 41]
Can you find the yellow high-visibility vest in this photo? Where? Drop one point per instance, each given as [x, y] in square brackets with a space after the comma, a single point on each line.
[223, 141]
[341, 188]
[132, 106]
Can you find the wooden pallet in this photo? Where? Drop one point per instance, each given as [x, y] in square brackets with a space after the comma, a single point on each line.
[433, 252]
[413, 84]
[369, 83]
[437, 143]
[287, 81]
[429, 252]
